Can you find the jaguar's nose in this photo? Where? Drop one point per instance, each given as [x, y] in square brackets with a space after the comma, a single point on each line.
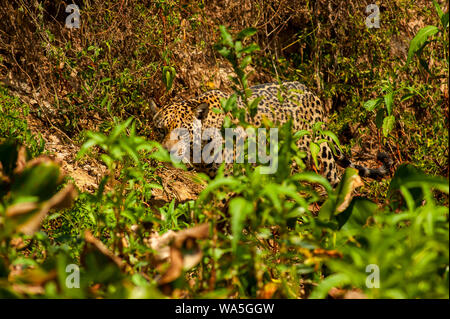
[168, 143]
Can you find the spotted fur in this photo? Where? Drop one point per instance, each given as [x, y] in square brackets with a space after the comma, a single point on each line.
[278, 104]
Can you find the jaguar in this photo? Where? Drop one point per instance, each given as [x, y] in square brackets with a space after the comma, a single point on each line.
[278, 103]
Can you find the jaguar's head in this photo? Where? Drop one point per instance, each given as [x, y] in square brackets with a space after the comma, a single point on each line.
[176, 123]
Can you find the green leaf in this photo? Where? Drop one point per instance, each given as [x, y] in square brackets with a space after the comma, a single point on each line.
[414, 180]
[253, 105]
[388, 125]
[245, 61]
[227, 122]
[230, 103]
[217, 183]
[168, 74]
[322, 289]
[226, 37]
[420, 40]
[315, 149]
[40, 180]
[388, 101]
[224, 52]
[442, 16]
[444, 20]
[238, 48]
[335, 140]
[335, 205]
[317, 127]
[379, 118]
[301, 133]
[312, 177]
[119, 129]
[239, 209]
[250, 48]
[372, 104]
[353, 219]
[246, 33]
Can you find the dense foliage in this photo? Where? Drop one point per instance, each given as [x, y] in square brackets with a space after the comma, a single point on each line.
[247, 234]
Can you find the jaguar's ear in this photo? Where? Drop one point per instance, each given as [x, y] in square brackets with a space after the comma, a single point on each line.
[153, 108]
[201, 111]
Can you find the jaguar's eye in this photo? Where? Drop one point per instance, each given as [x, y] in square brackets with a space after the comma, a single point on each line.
[160, 131]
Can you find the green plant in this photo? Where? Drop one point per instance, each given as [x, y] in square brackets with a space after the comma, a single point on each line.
[240, 57]
[13, 123]
[385, 118]
[168, 75]
[407, 242]
[28, 191]
[421, 39]
[127, 176]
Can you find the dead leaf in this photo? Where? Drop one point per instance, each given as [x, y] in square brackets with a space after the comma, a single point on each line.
[98, 245]
[175, 268]
[355, 182]
[329, 253]
[185, 252]
[31, 276]
[20, 209]
[268, 290]
[28, 289]
[18, 243]
[161, 244]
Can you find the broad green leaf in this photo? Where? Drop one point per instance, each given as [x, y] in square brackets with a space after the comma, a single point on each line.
[388, 125]
[238, 48]
[226, 37]
[169, 74]
[335, 205]
[312, 177]
[239, 208]
[355, 216]
[274, 191]
[444, 21]
[253, 105]
[420, 39]
[322, 289]
[40, 180]
[414, 180]
[248, 32]
[224, 51]
[334, 138]
[217, 183]
[442, 16]
[245, 61]
[119, 129]
[230, 103]
[388, 101]
[372, 104]
[317, 126]
[379, 118]
[301, 133]
[85, 148]
[315, 149]
[227, 122]
[271, 191]
[250, 48]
